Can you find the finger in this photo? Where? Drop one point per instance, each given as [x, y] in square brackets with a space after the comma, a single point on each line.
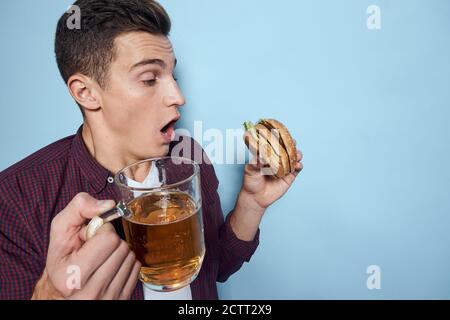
[289, 179]
[298, 168]
[102, 277]
[299, 155]
[96, 251]
[80, 208]
[87, 258]
[131, 283]
[104, 228]
[117, 284]
[253, 169]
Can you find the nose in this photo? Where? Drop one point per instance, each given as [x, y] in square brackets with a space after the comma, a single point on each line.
[174, 96]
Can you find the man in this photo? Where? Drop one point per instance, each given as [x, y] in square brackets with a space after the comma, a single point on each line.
[119, 69]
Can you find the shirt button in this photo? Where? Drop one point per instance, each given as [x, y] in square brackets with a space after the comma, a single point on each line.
[110, 179]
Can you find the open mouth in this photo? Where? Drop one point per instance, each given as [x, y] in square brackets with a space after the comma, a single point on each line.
[168, 131]
[167, 126]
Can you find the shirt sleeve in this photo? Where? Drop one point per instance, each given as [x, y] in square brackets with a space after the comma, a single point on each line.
[231, 251]
[20, 265]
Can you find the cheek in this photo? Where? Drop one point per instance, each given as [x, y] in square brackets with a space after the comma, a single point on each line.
[131, 109]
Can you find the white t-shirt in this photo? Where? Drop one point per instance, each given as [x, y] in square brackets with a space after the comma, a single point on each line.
[152, 180]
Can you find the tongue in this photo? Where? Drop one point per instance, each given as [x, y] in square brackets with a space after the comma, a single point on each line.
[170, 132]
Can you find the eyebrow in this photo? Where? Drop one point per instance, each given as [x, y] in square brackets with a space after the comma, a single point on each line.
[158, 62]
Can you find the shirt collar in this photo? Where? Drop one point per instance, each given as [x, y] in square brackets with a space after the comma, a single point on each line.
[90, 168]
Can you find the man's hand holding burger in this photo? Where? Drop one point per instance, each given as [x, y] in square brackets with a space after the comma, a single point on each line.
[267, 177]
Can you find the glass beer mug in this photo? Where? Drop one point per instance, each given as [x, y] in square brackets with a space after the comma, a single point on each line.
[161, 211]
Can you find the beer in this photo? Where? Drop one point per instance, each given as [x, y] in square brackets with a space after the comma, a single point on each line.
[165, 231]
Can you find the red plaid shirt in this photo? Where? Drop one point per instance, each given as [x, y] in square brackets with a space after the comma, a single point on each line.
[35, 189]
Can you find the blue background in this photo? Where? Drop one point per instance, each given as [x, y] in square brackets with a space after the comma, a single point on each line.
[369, 109]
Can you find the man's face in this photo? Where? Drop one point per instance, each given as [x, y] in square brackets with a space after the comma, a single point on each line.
[141, 96]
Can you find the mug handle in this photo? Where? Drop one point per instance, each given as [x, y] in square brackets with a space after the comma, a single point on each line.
[120, 210]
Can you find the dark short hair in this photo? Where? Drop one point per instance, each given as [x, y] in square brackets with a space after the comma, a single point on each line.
[90, 50]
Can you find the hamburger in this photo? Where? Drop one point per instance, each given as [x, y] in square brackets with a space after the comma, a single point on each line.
[270, 142]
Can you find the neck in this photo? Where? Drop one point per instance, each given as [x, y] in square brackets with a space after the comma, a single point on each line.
[104, 151]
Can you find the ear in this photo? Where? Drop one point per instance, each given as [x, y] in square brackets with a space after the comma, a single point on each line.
[85, 91]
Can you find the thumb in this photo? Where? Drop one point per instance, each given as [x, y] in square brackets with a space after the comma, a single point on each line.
[80, 208]
[252, 169]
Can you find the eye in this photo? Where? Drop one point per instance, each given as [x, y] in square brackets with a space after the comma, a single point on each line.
[150, 82]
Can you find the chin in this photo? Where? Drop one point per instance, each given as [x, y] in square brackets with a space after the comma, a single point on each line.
[163, 151]
[156, 152]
